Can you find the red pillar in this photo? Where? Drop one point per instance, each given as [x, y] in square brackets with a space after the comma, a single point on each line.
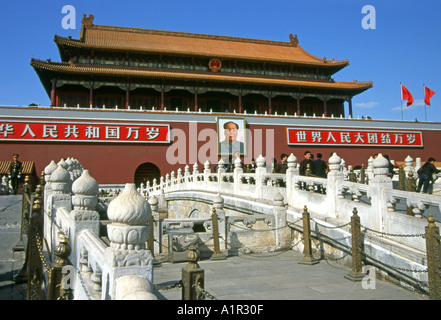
[298, 106]
[127, 96]
[350, 108]
[240, 102]
[54, 86]
[325, 106]
[196, 100]
[270, 110]
[162, 98]
[91, 95]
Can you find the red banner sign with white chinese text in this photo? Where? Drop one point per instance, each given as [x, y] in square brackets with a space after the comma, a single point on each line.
[355, 138]
[84, 132]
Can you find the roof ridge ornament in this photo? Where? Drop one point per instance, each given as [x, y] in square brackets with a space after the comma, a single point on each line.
[294, 40]
[87, 21]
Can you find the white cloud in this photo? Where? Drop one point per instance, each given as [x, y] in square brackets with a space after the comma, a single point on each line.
[367, 105]
[417, 103]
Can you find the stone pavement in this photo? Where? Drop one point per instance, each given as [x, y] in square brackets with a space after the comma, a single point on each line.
[10, 262]
[277, 276]
[269, 276]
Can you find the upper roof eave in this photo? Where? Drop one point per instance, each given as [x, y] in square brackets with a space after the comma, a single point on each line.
[226, 78]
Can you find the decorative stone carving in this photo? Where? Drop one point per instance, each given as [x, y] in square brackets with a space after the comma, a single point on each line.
[381, 166]
[49, 169]
[85, 198]
[154, 203]
[63, 163]
[221, 165]
[292, 161]
[195, 168]
[218, 202]
[260, 161]
[60, 180]
[279, 200]
[129, 207]
[129, 213]
[237, 163]
[207, 167]
[334, 162]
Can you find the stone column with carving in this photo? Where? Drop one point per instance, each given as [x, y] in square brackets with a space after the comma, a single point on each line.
[218, 204]
[335, 177]
[378, 183]
[238, 170]
[128, 234]
[84, 214]
[260, 175]
[59, 197]
[50, 168]
[282, 233]
[292, 171]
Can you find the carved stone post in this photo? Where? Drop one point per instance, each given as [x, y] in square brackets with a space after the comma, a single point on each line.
[153, 202]
[410, 182]
[356, 273]
[401, 178]
[433, 250]
[411, 187]
[335, 177]
[217, 255]
[207, 171]
[128, 234]
[218, 204]
[59, 196]
[362, 175]
[59, 288]
[307, 251]
[290, 173]
[379, 182]
[352, 175]
[192, 276]
[370, 169]
[260, 174]
[84, 214]
[282, 234]
[238, 170]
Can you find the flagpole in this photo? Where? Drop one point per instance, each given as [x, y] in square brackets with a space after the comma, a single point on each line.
[401, 101]
[425, 106]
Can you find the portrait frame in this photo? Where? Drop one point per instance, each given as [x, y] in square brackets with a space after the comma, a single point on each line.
[222, 149]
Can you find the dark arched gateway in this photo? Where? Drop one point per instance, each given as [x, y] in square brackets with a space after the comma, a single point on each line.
[146, 172]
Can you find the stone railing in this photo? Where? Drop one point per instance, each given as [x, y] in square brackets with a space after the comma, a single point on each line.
[117, 268]
[380, 206]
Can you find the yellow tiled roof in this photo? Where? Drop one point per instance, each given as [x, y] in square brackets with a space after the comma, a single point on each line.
[157, 41]
[28, 167]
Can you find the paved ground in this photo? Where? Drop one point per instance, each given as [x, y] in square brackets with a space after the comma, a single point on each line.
[277, 277]
[10, 261]
[271, 276]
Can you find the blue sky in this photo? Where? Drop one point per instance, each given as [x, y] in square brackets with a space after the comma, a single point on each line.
[404, 47]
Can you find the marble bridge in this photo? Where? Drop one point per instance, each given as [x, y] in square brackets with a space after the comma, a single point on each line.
[116, 236]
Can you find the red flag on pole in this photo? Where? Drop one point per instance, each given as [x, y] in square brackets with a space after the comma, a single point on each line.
[427, 95]
[405, 95]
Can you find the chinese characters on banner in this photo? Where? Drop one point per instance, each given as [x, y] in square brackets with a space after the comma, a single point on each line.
[354, 138]
[84, 132]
